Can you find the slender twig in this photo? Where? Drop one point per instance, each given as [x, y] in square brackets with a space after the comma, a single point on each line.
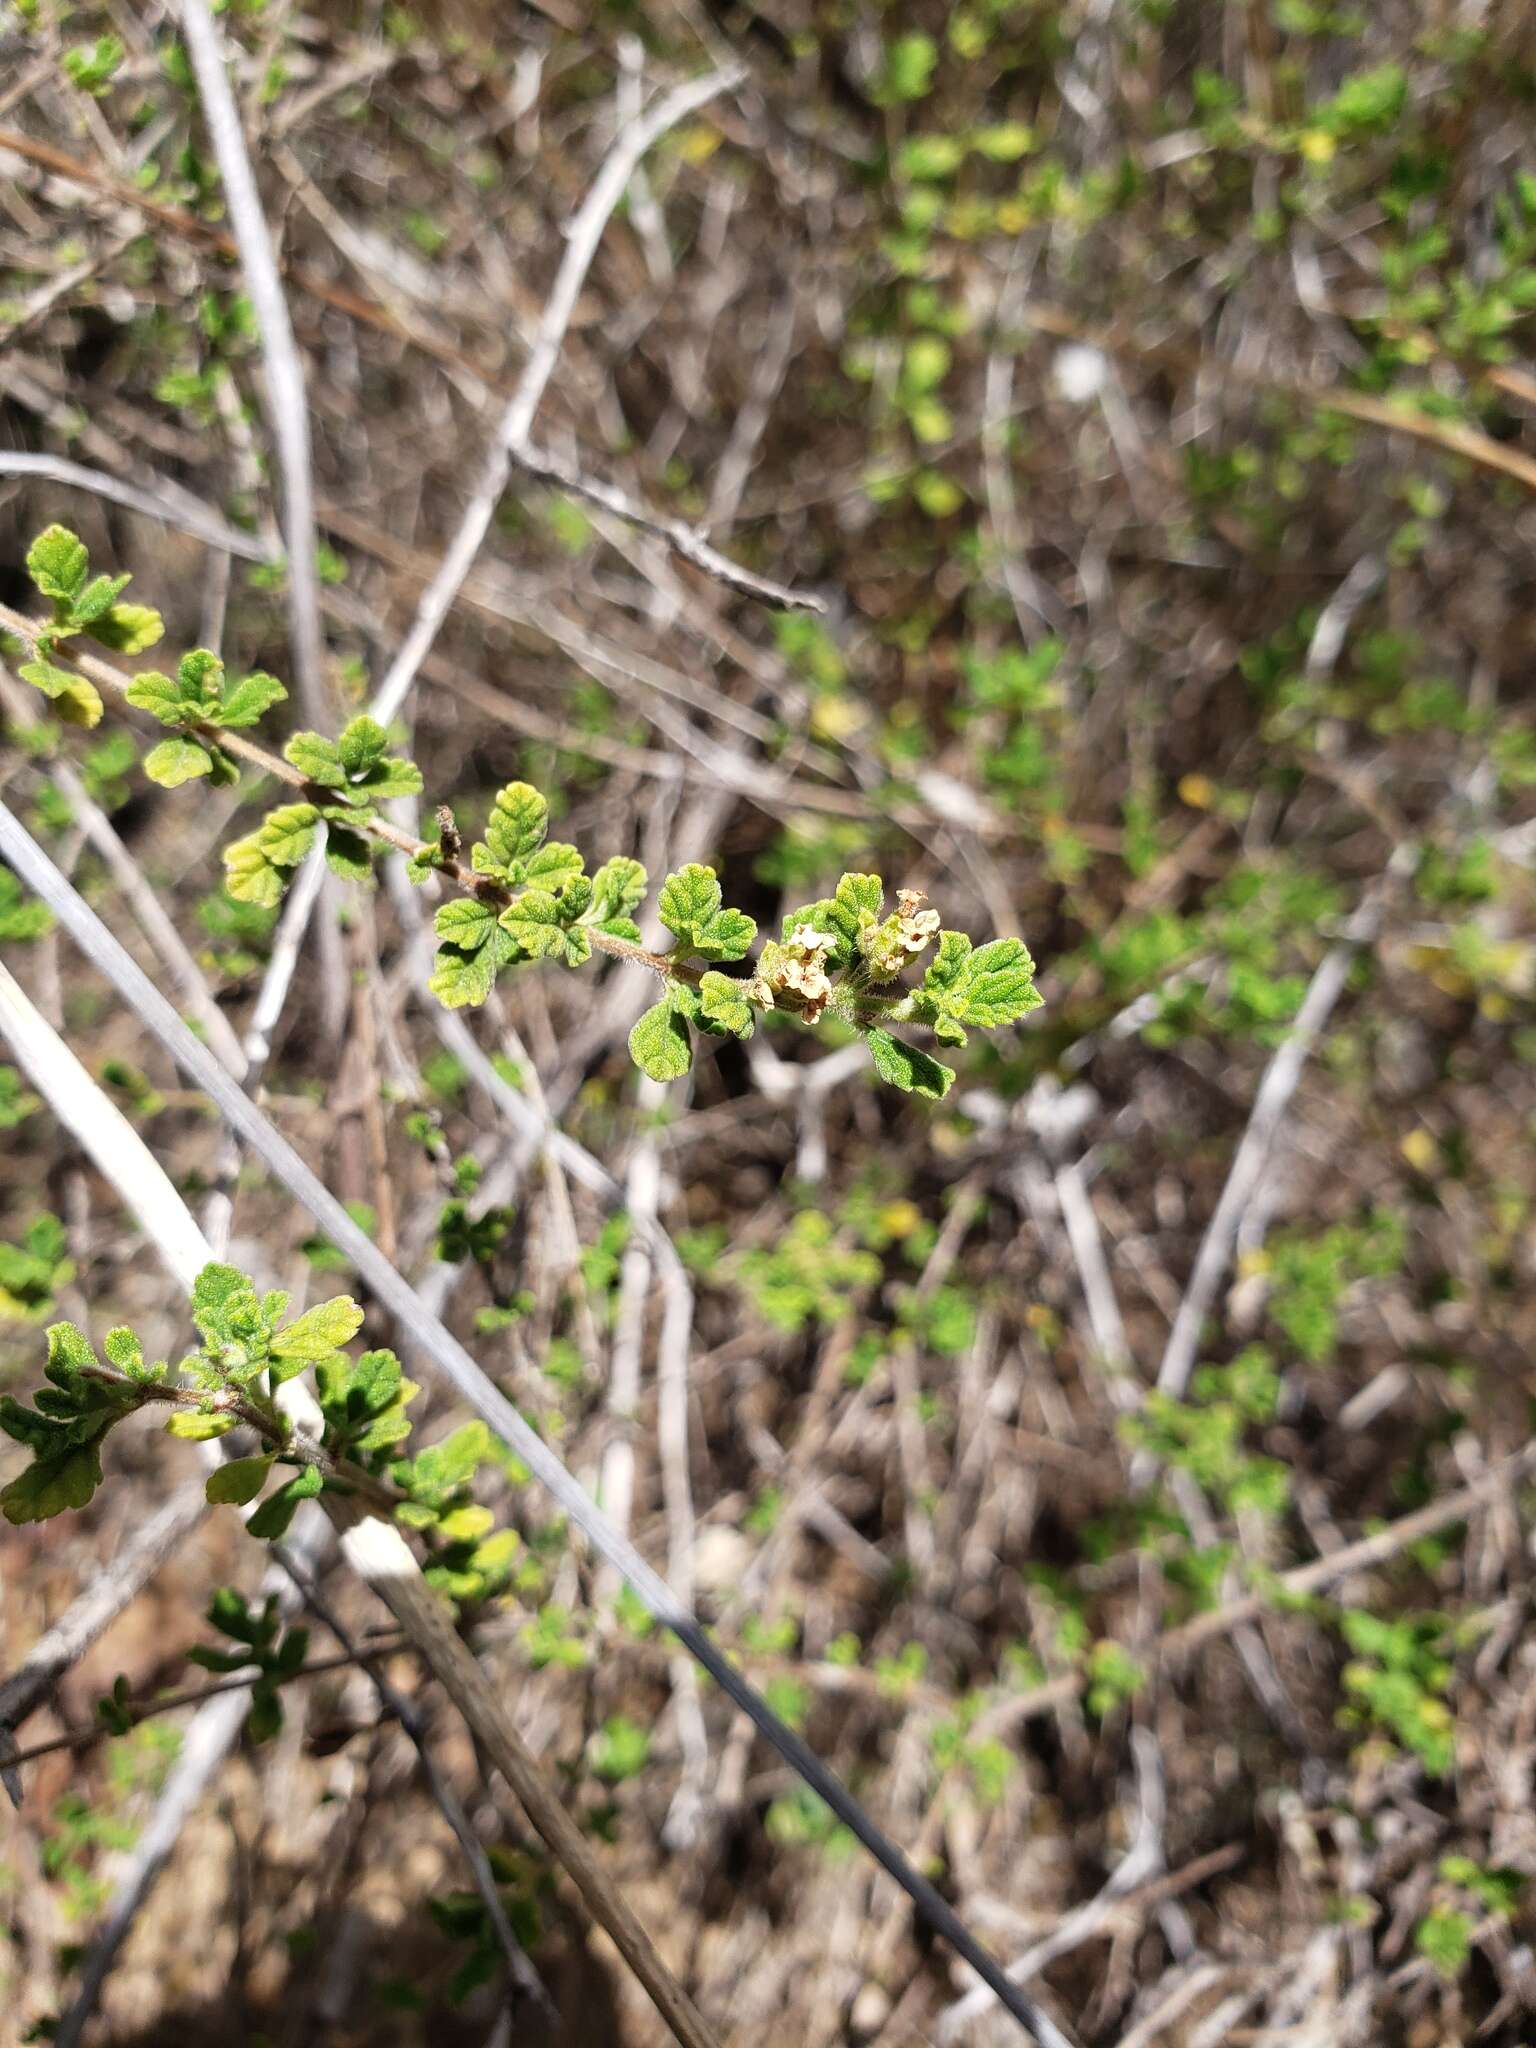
[381, 1557]
[537, 2003]
[683, 539]
[204, 1746]
[139, 1556]
[151, 1706]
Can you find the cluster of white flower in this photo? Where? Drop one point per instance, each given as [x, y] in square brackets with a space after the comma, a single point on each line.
[800, 965]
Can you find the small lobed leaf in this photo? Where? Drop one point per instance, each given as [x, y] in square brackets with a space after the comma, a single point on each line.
[200, 672]
[124, 1350]
[465, 975]
[688, 900]
[554, 867]
[58, 563]
[316, 759]
[239, 1481]
[905, 1067]
[75, 701]
[618, 888]
[69, 1353]
[272, 1518]
[249, 876]
[97, 598]
[858, 900]
[659, 1044]
[348, 854]
[176, 761]
[52, 1485]
[320, 1331]
[159, 696]
[128, 628]
[997, 984]
[196, 1428]
[361, 744]
[541, 925]
[250, 698]
[515, 830]
[223, 1300]
[287, 834]
[723, 1003]
[394, 776]
[464, 921]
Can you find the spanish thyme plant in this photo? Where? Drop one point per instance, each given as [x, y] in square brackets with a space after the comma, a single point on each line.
[523, 896]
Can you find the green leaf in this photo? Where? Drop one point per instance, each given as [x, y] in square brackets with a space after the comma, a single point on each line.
[223, 1301]
[248, 874]
[250, 698]
[464, 921]
[288, 833]
[467, 974]
[723, 1002]
[914, 1072]
[539, 925]
[97, 598]
[689, 899]
[1444, 1938]
[272, 1518]
[394, 776]
[348, 854]
[362, 743]
[17, 1102]
[124, 1350]
[554, 867]
[176, 761]
[998, 984]
[316, 759]
[659, 1044]
[69, 1353]
[193, 1428]
[159, 696]
[993, 985]
[75, 701]
[618, 888]
[239, 1481]
[266, 1716]
[52, 1485]
[128, 628]
[58, 563]
[320, 1331]
[689, 906]
[514, 831]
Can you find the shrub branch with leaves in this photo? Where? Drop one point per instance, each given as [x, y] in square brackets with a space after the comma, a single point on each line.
[524, 896]
[247, 1353]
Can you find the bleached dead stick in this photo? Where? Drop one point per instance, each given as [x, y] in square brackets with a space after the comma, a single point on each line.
[167, 501]
[584, 234]
[287, 404]
[1144, 1859]
[1252, 1157]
